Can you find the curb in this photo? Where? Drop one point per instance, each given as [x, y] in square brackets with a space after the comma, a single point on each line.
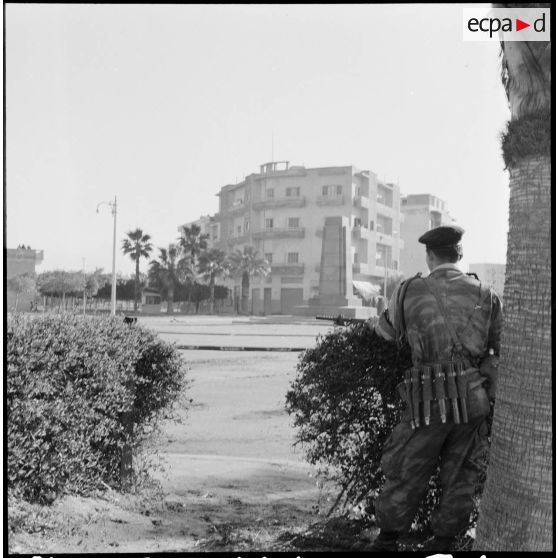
[219, 348]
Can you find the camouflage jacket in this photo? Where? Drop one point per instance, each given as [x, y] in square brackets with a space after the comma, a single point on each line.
[475, 311]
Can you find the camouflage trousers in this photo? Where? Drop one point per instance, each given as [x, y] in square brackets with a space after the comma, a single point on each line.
[410, 458]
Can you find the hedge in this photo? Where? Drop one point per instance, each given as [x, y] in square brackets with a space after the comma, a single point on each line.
[69, 379]
[344, 404]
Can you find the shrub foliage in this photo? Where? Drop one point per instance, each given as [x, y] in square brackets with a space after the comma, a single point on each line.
[69, 379]
[344, 403]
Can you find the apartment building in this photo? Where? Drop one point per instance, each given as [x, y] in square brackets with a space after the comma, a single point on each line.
[281, 212]
[21, 261]
[421, 212]
[208, 225]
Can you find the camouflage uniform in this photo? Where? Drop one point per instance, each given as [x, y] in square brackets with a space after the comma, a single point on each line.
[411, 455]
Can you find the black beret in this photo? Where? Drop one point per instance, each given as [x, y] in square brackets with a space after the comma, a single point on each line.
[446, 235]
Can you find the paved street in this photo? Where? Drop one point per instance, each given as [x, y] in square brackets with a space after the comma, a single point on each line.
[235, 331]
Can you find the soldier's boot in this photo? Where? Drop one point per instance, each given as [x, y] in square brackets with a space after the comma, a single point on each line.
[386, 541]
[440, 544]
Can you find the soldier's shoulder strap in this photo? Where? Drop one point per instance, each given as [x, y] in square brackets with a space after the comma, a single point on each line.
[399, 320]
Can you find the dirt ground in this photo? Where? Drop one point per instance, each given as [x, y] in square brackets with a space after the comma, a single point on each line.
[230, 478]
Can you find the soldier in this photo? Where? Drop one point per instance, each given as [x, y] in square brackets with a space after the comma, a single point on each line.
[452, 323]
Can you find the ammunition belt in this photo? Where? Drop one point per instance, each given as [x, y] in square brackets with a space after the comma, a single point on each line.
[446, 384]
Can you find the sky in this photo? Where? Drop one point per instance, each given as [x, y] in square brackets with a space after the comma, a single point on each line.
[162, 105]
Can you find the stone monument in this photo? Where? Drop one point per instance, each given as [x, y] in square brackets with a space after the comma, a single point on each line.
[335, 294]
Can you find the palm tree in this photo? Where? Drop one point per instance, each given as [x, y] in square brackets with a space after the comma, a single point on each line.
[168, 272]
[247, 264]
[213, 264]
[192, 243]
[137, 245]
[517, 504]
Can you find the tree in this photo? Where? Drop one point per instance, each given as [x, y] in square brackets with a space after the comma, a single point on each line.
[517, 504]
[94, 281]
[213, 264]
[137, 245]
[168, 272]
[60, 283]
[192, 243]
[25, 284]
[247, 264]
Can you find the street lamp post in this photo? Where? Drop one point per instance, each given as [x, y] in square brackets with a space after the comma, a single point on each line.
[112, 205]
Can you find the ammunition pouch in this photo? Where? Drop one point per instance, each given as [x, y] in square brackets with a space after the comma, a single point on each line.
[446, 392]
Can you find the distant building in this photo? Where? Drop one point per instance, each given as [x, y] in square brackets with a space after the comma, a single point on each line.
[208, 225]
[281, 211]
[421, 212]
[492, 274]
[20, 261]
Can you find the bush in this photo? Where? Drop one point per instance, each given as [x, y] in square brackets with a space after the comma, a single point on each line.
[69, 379]
[345, 404]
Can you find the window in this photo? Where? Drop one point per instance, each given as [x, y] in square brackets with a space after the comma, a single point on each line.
[332, 190]
[293, 192]
[238, 230]
[294, 222]
[269, 223]
[358, 222]
[269, 256]
[355, 258]
[371, 225]
[292, 257]
[246, 226]
[269, 193]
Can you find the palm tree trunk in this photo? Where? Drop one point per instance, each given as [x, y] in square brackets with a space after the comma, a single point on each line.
[136, 285]
[211, 294]
[170, 300]
[245, 292]
[517, 504]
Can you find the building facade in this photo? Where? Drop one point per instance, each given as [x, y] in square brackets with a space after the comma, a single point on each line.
[208, 225]
[281, 211]
[492, 274]
[421, 212]
[21, 261]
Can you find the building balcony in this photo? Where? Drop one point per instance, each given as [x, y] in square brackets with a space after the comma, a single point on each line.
[327, 200]
[25, 254]
[287, 269]
[385, 210]
[279, 233]
[361, 201]
[361, 268]
[240, 239]
[273, 203]
[236, 208]
[360, 233]
[389, 240]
